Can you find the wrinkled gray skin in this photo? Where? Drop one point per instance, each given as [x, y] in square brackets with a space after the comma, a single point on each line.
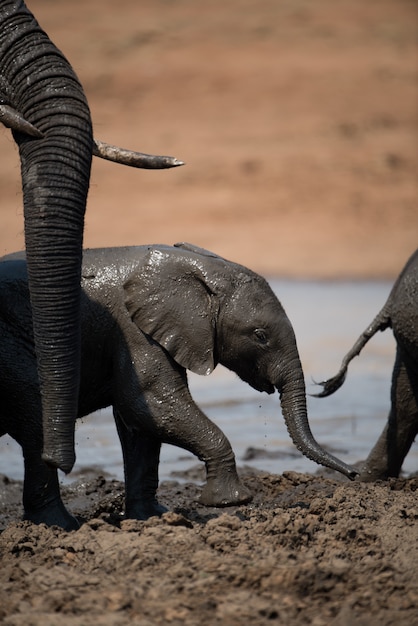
[401, 314]
[38, 82]
[148, 314]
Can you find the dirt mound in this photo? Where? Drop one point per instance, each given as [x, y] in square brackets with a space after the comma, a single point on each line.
[308, 550]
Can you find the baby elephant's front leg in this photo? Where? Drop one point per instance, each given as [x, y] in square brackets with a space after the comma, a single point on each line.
[189, 428]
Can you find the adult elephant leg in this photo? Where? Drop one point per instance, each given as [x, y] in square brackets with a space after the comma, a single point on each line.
[38, 82]
[41, 493]
[388, 454]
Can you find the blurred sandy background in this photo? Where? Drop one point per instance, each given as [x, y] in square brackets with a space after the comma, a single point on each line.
[298, 122]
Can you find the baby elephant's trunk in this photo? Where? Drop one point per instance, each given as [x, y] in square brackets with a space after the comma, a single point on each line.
[293, 402]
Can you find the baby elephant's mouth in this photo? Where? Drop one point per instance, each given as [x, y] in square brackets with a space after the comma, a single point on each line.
[262, 386]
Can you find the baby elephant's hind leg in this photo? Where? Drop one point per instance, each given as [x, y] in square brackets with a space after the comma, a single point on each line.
[141, 457]
[387, 456]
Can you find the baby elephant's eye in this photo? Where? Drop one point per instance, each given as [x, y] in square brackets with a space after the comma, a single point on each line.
[261, 335]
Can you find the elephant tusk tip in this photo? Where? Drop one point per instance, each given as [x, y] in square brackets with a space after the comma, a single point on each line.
[169, 162]
[133, 159]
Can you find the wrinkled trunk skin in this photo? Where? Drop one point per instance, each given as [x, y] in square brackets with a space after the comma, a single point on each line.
[38, 82]
[293, 402]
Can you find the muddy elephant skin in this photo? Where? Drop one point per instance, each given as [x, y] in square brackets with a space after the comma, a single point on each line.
[148, 314]
[400, 313]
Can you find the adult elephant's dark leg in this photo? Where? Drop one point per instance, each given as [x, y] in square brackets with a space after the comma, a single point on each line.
[41, 493]
[387, 456]
[37, 81]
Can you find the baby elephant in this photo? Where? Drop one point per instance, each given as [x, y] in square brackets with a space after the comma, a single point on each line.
[149, 313]
[401, 314]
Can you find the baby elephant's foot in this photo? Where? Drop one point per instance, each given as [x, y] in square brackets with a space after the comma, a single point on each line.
[52, 515]
[225, 491]
[144, 509]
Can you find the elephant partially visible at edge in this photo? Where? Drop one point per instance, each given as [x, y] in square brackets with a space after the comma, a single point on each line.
[149, 313]
[400, 313]
[44, 104]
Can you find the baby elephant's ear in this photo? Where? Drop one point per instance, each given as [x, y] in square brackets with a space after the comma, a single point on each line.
[169, 300]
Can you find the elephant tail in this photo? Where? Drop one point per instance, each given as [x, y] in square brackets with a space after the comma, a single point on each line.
[380, 322]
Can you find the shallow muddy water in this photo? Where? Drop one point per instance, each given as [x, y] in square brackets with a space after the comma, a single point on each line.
[327, 318]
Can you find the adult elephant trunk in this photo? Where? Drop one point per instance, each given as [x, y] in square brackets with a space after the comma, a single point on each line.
[37, 81]
[293, 401]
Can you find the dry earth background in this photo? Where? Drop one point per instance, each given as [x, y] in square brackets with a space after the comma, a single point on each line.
[298, 124]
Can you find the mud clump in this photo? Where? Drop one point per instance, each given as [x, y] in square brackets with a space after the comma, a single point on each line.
[307, 550]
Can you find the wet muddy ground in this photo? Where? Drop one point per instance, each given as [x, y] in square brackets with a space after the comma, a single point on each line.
[308, 550]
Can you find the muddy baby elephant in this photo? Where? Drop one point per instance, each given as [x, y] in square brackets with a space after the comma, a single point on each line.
[401, 314]
[150, 313]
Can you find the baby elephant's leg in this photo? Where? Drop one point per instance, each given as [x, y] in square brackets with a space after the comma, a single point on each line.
[155, 399]
[141, 457]
[189, 428]
[41, 494]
